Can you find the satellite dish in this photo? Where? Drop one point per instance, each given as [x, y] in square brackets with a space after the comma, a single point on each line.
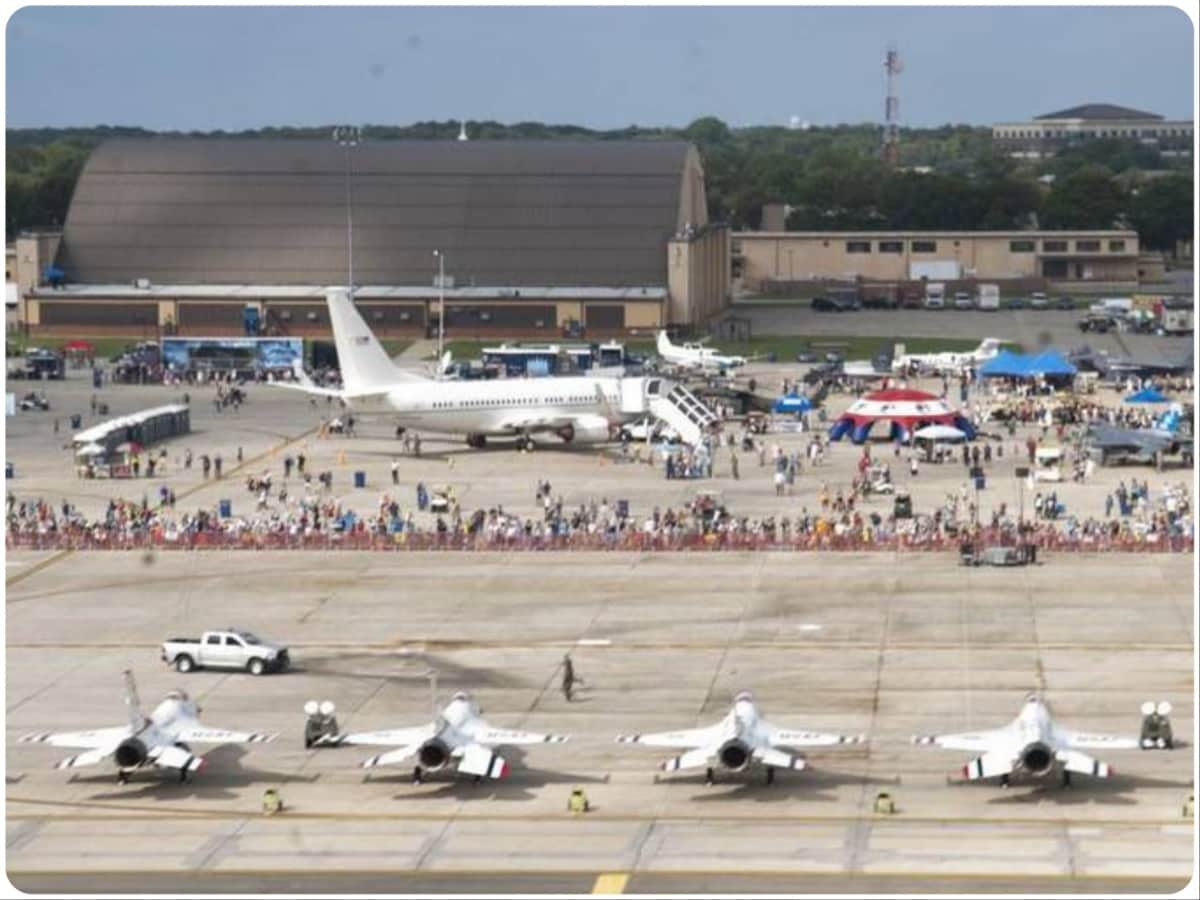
[311, 707]
[327, 708]
[1164, 708]
[1148, 708]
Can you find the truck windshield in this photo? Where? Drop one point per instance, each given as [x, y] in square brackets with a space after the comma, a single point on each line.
[248, 638]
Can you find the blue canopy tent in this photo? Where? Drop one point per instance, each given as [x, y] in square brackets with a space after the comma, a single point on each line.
[792, 403]
[1048, 364]
[1148, 395]
[1005, 364]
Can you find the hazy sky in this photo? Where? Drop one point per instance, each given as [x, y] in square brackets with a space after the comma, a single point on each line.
[206, 68]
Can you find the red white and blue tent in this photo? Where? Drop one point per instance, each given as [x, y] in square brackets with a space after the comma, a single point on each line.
[905, 410]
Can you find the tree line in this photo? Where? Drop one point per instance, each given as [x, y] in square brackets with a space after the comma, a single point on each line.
[829, 177]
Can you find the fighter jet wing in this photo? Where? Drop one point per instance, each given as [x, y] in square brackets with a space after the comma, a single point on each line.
[479, 760]
[975, 740]
[82, 740]
[784, 737]
[168, 756]
[394, 738]
[691, 737]
[486, 734]
[1074, 740]
[392, 756]
[198, 734]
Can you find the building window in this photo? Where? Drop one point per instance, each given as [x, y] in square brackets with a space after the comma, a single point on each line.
[1116, 246]
[1087, 246]
[891, 246]
[1020, 246]
[924, 246]
[1054, 246]
[858, 246]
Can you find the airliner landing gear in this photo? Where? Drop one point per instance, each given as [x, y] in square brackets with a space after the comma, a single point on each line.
[476, 441]
[182, 776]
[525, 442]
[122, 777]
[416, 774]
[770, 774]
[478, 778]
[1004, 780]
[1066, 783]
[708, 776]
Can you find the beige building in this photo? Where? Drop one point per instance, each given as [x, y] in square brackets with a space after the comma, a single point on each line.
[764, 257]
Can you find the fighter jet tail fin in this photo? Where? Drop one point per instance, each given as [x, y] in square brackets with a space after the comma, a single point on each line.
[480, 760]
[133, 706]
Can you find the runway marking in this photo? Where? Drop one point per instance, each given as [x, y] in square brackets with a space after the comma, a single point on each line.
[610, 883]
[594, 642]
[9, 581]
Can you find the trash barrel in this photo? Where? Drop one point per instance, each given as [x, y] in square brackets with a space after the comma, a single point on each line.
[9, 472]
[622, 509]
[225, 509]
[76, 420]
[980, 482]
[360, 479]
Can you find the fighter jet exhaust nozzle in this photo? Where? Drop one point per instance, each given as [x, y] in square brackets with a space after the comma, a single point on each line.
[1037, 759]
[433, 755]
[734, 755]
[130, 753]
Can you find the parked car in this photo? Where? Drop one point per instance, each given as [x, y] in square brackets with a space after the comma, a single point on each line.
[880, 301]
[806, 356]
[962, 300]
[1098, 323]
[225, 650]
[1015, 303]
[913, 301]
[1038, 300]
[834, 304]
[649, 428]
[1064, 303]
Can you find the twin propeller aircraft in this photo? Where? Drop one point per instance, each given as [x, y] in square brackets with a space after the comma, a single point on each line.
[459, 738]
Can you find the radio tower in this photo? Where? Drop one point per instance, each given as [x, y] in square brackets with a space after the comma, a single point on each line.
[891, 110]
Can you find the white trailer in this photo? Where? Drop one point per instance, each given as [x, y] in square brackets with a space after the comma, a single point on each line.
[989, 296]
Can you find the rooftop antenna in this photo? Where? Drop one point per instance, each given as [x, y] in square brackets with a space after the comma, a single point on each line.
[462, 131]
[349, 137]
[891, 110]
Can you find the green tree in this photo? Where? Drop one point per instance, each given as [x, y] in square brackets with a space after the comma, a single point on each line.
[1162, 212]
[1089, 197]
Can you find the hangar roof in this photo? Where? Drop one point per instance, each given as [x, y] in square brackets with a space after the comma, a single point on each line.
[273, 212]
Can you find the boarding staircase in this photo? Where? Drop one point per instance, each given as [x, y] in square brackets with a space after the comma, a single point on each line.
[685, 412]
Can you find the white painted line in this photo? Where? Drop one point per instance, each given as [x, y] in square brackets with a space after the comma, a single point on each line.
[1178, 829]
[593, 642]
[809, 627]
[12, 563]
[1084, 832]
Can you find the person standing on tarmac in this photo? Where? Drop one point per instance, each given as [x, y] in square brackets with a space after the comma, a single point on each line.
[568, 678]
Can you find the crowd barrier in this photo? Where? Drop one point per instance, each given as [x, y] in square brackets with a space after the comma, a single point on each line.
[625, 542]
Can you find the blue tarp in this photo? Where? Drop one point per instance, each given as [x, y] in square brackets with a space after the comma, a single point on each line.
[1148, 395]
[1007, 364]
[792, 403]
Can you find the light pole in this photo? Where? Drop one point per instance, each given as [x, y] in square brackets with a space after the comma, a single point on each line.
[348, 137]
[441, 258]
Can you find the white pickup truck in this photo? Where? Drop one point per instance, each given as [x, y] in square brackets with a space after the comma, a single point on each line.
[231, 649]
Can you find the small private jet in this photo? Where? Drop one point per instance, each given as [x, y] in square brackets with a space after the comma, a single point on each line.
[457, 735]
[742, 738]
[696, 356]
[160, 739]
[1032, 744]
[948, 363]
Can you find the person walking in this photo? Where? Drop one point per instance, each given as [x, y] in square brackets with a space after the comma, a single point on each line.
[217, 465]
[569, 678]
[395, 471]
[733, 464]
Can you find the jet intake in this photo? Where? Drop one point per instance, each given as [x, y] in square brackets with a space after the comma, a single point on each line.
[130, 753]
[734, 755]
[1037, 759]
[434, 754]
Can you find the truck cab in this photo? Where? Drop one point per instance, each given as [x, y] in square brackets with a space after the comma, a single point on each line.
[228, 649]
[935, 295]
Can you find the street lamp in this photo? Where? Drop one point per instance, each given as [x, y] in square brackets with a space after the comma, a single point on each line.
[441, 258]
[348, 136]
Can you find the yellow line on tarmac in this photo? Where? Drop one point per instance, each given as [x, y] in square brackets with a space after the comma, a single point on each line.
[610, 883]
[34, 569]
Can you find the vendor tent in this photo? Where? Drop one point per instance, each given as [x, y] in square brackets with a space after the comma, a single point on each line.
[1148, 395]
[1006, 364]
[939, 433]
[905, 410]
[792, 403]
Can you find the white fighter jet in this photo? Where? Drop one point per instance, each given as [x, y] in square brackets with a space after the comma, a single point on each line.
[949, 362]
[458, 733]
[160, 739]
[1032, 744]
[741, 738]
[696, 356]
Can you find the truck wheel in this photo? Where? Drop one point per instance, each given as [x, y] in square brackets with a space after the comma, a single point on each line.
[184, 663]
[256, 666]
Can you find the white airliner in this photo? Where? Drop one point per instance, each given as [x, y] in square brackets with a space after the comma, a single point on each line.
[160, 739]
[741, 738]
[458, 734]
[696, 356]
[949, 362]
[575, 409]
[1031, 744]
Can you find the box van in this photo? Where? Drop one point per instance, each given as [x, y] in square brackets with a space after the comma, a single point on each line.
[1118, 306]
[989, 296]
[935, 295]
